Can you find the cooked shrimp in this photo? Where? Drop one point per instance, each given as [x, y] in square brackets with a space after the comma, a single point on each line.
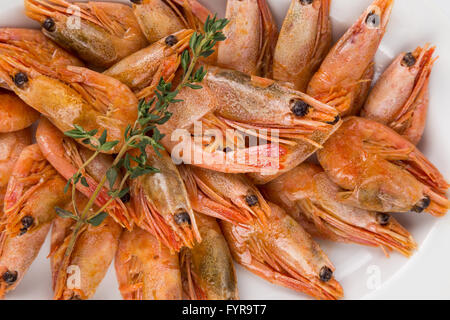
[147, 270]
[145, 68]
[306, 193]
[162, 204]
[15, 114]
[284, 254]
[226, 196]
[67, 157]
[252, 104]
[71, 95]
[11, 145]
[382, 171]
[343, 80]
[304, 41]
[161, 18]
[207, 269]
[101, 33]
[76, 276]
[251, 38]
[34, 190]
[36, 49]
[400, 97]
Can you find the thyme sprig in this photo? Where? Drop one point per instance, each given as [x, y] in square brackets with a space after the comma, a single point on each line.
[140, 135]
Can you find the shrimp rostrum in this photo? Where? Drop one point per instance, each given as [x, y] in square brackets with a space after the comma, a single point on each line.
[380, 170]
[101, 33]
[34, 190]
[310, 197]
[284, 254]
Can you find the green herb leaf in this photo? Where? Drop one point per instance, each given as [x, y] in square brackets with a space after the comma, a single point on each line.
[98, 219]
[65, 214]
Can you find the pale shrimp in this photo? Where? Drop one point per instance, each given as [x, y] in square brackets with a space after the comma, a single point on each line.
[36, 49]
[310, 197]
[343, 80]
[382, 171]
[400, 97]
[147, 270]
[15, 114]
[67, 157]
[144, 68]
[34, 190]
[101, 33]
[11, 145]
[304, 41]
[251, 38]
[252, 104]
[285, 254]
[226, 196]
[242, 124]
[161, 18]
[88, 261]
[71, 95]
[162, 204]
[207, 269]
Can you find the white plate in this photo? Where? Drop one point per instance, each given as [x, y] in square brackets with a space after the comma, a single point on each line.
[363, 272]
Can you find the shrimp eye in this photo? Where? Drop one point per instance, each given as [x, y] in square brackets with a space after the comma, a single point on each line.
[20, 79]
[422, 205]
[336, 120]
[408, 60]
[383, 218]
[27, 221]
[182, 218]
[10, 277]
[325, 274]
[49, 25]
[171, 40]
[306, 2]
[251, 200]
[126, 197]
[373, 20]
[227, 149]
[300, 108]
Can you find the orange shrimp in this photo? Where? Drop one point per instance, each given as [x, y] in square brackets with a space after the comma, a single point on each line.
[251, 38]
[382, 171]
[67, 157]
[143, 69]
[34, 190]
[344, 78]
[161, 18]
[251, 125]
[226, 196]
[304, 41]
[76, 276]
[310, 197]
[207, 269]
[162, 204]
[15, 114]
[400, 97]
[101, 33]
[70, 95]
[284, 254]
[147, 270]
[11, 145]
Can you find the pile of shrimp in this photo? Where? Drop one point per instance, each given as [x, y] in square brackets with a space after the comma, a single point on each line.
[178, 232]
